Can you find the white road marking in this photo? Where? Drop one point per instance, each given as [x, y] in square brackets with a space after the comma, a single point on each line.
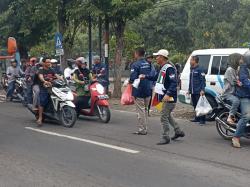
[85, 140]
[124, 111]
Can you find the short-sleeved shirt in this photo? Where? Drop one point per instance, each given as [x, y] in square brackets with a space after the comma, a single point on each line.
[48, 75]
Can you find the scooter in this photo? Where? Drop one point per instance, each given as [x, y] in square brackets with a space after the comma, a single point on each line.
[226, 130]
[98, 105]
[60, 107]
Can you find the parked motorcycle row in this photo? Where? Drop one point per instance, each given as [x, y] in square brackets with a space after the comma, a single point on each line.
[61, 106]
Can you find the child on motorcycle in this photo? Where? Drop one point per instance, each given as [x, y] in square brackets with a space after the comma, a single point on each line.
[230, 83]
[82, 77]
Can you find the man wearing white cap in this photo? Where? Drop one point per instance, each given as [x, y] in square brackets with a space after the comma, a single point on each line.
[166, 90]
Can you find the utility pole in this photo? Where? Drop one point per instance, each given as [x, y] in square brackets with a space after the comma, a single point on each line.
[100, 37]
[90, 41]
[106, 45]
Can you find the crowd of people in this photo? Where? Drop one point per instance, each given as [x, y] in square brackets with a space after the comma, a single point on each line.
[160, 83]
[40, 73]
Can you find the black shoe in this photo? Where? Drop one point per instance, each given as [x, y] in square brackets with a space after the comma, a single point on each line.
[140, 133]
[164, 140]
[178, 134]
[194, 120]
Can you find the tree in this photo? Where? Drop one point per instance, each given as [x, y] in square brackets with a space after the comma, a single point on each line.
[119, 13]
[28, 21]
[165, 27]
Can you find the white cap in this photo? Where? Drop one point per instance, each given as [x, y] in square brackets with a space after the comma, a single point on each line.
[53, 61]
[162, 52]
[82, 60]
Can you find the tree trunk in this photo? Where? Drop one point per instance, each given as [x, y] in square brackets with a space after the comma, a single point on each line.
[23, 51]
[119, 33]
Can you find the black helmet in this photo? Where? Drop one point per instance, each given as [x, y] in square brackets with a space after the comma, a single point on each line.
[70, 62]
[247, 58]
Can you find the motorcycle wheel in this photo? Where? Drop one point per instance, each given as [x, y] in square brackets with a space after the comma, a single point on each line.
[104, 114]
[223, 132]
[67, 116]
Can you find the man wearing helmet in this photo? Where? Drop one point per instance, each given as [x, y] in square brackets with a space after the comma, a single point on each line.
[82, 78]
[69, 71]
[12, 73]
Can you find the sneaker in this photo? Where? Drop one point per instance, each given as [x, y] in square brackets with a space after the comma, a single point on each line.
[236, 142]
[194, 120]
[178, 134]
[140, 133]
[164, 140]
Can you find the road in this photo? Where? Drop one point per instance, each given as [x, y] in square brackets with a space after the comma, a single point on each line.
[92, 154]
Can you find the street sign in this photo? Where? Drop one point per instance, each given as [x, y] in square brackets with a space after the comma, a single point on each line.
[58, 44]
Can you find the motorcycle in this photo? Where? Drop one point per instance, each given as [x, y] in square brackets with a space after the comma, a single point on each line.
[4, 81]
[60, 107]
[224, 129]
[98, 104]
[20, 87]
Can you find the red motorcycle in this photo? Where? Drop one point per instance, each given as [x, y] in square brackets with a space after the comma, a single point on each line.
[98, 105]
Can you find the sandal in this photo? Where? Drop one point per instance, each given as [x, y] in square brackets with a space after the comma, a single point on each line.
[39, 123]
[236, 142]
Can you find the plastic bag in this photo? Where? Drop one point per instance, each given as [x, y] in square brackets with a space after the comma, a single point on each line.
[203, 107]
[127, 98]
[136, 83]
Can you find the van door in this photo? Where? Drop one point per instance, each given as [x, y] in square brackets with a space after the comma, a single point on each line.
[215, 77]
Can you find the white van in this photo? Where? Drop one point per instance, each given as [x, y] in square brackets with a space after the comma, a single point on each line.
[214, 62]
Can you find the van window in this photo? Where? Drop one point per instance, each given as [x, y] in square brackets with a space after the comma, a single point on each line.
[223, 65]
[219, 65]
[204, 62]
[216, 65]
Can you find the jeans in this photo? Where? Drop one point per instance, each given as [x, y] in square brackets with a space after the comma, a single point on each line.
[245, 117]
[235, 103]
[28, 94]
[195, 98]
[36, 97]
[11, 89]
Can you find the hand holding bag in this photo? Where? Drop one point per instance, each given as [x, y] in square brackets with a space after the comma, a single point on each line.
[127, 98]
[203, 107]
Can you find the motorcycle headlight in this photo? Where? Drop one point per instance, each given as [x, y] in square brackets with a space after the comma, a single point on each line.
[100, 89]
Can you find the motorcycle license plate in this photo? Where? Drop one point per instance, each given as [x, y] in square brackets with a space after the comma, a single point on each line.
[103, 97]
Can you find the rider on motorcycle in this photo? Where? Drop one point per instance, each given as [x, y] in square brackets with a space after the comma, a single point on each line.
[45, 75]
[243, 92]
[83, 78]
[12, 73]
[69, 71]
[29, 80]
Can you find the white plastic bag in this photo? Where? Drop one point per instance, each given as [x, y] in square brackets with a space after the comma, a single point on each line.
[203, 107]
[136, 83]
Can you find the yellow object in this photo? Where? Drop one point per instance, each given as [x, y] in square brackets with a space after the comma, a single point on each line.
[159, 106]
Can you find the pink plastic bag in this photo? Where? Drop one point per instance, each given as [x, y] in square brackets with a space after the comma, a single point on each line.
[127, 98]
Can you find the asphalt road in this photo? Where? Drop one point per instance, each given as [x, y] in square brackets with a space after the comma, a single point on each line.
[92, 154]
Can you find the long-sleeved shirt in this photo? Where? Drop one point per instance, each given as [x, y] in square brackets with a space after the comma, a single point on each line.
[12, 73]
[230, 80]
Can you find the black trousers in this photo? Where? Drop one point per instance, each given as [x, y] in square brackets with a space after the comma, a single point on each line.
[195, 98]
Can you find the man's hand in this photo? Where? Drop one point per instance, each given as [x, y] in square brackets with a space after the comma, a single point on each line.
[202, 93]
[142, 76]
[82, 82]
[166, 98]
[188, 93]
[47, 84]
